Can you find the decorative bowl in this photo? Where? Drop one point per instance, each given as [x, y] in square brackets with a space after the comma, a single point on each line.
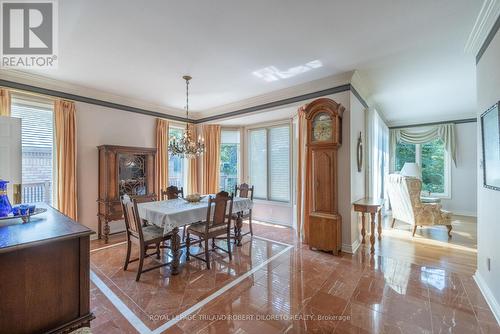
[193, 198]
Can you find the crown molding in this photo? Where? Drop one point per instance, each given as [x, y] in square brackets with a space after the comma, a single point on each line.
[457, 119]
[485, 21]
[46, 83]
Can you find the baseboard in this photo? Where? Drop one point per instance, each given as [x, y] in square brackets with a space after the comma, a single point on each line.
[351, 248]
[271, 221]
[464, 213]
[488, 295]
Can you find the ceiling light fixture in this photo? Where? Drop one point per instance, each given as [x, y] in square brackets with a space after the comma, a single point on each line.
[186, 147]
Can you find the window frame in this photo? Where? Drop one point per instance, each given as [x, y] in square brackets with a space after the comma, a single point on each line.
[267, 127]
[45, 104]
[447, 172]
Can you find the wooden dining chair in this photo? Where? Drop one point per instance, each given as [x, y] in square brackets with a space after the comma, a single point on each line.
[244, 191]
[172, 192]
[216, 225]
[146, 237]
[144, 199]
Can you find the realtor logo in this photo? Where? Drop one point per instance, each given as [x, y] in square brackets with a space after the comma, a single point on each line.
[29, 34]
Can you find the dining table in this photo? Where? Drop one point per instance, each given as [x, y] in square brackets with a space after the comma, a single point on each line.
[172, 214]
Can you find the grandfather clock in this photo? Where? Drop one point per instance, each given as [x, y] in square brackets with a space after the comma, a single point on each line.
[324, 138]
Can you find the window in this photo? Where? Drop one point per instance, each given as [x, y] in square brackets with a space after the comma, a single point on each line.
[37, 139]
[229, 159]
[176, 165]
[269, 162]
[434, 162]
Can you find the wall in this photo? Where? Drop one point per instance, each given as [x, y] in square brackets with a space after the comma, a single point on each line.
[99, 126]
[358, 179]
[351, 183]
[463, 175]
[488, 93]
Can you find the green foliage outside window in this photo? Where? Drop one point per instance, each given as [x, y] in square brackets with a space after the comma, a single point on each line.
[404, 153]
[433, 165]
[432, 162]
[228, 166]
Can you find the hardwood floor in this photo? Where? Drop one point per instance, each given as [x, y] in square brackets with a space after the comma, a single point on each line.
[410, 285]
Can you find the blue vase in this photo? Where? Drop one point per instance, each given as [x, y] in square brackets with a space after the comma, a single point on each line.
[5, 207]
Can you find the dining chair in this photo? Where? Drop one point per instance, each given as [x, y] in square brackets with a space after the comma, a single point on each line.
[244, 191]
[144, 199]
[146, 237]
[172, 192]
[216, 224]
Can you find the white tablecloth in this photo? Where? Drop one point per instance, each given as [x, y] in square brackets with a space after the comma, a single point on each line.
[177, 212]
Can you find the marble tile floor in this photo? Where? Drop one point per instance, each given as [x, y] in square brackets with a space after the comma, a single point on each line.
[275, 284]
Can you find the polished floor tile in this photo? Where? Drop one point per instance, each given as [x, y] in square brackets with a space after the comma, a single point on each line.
[270, 287]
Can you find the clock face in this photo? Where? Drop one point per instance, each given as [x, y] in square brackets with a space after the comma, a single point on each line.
[322, 127]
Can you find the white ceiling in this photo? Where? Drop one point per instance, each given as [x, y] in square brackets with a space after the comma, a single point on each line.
[409, 52]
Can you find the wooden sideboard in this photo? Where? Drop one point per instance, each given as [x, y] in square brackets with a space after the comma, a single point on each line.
[122, 170]
[44, 275]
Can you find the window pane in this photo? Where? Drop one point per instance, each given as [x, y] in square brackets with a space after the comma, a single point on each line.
[175, 163]
[229, 159]
[404, 153]
[433, 164]
[258, 162]
[279, 163]
[37, 128]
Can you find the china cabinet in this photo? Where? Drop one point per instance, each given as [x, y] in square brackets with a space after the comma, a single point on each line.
[122, 170]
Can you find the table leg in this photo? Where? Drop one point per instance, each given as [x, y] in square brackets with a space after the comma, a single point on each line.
[176, 250]
[106, 231]
[379, 226]
[372, 234]
[239, 223]
[363, 228]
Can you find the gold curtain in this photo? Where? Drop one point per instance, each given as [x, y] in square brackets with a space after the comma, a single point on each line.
[302, 224]
[211, 159]
[4, 102]
[161, 170]
[192, 178]
[65, 146]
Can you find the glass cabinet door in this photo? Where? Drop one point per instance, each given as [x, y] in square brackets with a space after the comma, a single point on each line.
[132, 174]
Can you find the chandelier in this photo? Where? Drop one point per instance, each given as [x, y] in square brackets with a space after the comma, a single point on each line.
[186, 147]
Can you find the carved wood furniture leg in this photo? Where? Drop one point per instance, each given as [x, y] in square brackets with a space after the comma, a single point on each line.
[379, 226]
[363, 228]
[372, 233]
[449, 227]
[99, 228]
[393, 222]
[239, 223]
[176, 250]
[106, 231]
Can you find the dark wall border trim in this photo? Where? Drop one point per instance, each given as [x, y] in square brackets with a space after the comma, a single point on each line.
[274, 104]
[488, 39]
[73, 97]
[456, 121]
[278, 103]
[358, 96]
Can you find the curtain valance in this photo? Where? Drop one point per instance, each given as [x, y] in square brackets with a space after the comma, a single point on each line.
[445, 132]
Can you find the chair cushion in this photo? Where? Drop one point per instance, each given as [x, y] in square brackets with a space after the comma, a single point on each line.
[200, 227]
[152, 232]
